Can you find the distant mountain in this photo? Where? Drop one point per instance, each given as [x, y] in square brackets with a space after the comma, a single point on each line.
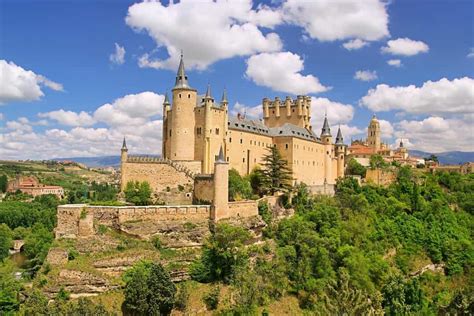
[95, 162]
[447, 158]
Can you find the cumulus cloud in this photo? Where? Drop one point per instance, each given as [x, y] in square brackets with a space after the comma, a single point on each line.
[395, 63]
[365, 75]
[439, 97]
[118, 57]
[386, 129]
[69, 118]
[337, 113]
[355, 44]
[282, 72]
[437, 134]
[136, 116]
[20, 85]
[328, 20]
[234, 29]
[405, 47]
[253, 112]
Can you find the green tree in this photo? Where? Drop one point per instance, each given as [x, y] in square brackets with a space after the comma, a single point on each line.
[355, 168]
[37, 244]
[377, 162]
[276, 175]
[402, 297]
[138, 193]
[5, 241]
[3, 183]
[149, 290]
[238, 187]
[222, 254]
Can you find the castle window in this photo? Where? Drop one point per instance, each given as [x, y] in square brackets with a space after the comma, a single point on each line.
[273, 112]
[243, 159]
[241, 141]
[230, 139]
[189, 96]
[199, 130]
[227, 159]
[179, 95]
[286, 146]
[217, 131]
[293, 111]
[170, 133]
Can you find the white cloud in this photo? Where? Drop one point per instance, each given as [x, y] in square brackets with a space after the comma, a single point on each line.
[395, 63]
[355, 44]
[20, 85]
[207, 31]
[386, 129]
[118, 57]
[253, 112]
[365, 75]
[405, 47]
[337, 113]
[1, 116]
[439, 97]
[471, 53]
[281, 72]
[19, 125]
[69, 118]
[437, 134]
[348, 132]
[328, 20]
[132, 109]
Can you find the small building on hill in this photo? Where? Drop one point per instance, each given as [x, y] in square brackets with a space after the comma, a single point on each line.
[30, 185]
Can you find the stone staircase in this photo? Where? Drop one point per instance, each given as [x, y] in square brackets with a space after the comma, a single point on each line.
[176, 165]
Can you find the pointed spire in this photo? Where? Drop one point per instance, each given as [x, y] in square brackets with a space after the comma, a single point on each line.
[326, 131]
[221, 157]
[124, 145]
[181, 78]
[208, 92]
[224, 96]
[339, 138]
[167, 100]
[401, 143]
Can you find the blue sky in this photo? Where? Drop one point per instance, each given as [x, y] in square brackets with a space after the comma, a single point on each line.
[76, 76]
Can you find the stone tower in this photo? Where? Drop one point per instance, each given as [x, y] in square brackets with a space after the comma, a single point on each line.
[166, 108]
[374, 134]
[208, 104]
[340, 153]
[297, 112]
[326, 138]
[123, 160]
[181, 136]
[220, 203]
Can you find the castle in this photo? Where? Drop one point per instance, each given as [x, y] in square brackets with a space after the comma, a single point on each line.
[196, 127]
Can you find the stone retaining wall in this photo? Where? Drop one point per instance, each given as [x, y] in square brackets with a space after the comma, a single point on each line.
[243, 209]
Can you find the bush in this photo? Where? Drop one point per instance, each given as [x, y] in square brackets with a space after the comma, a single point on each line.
[156, 242]
[211, 298]
[182, 297]
[72, 254]
[239, 188]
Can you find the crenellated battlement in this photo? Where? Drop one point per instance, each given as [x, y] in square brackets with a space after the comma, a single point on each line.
[278, 112]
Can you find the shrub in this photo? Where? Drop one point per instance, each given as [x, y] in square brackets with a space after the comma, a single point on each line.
[72, 254]
[182, 297]
[156, 242]
[211, 298]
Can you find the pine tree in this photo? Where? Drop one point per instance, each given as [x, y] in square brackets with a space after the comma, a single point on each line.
[276, 175]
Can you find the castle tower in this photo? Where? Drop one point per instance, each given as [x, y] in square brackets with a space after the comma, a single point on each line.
[123, 161]
[220, 202]
[403, 150]
[374, 134]
[326, 138]
[181, 136]
[225, 107]
[208, 103]
[166, 108]
[307, 101]
[340, 153]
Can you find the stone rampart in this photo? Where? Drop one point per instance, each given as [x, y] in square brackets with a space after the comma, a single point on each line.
[79, 219]
[243, 209]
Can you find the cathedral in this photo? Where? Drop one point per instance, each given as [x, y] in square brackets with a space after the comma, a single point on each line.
[196, 127]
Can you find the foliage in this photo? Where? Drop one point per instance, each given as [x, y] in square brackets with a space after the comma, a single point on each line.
[275, 175]
[264, 211]
[37, 244]
[138, 193]
[256, 181]
[377, 162]
[211, 298]
[9, 288]
[149, 290]
[222, 253]
[182, 298]
[156, 242]
[239, 188]
[3, 183]
[355, 168]
[5, 241]
[401, 297]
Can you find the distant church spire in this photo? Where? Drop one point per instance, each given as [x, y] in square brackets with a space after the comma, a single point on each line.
[326, 131]
[339, 138]
[181, 78]
[124, 144]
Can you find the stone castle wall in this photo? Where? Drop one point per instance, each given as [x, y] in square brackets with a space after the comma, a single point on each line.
[380, 176]
[79, 219]
[203, 189]
[243, 209]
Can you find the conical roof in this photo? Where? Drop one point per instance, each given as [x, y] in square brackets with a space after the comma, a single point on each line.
[224, 96]
[339, 138]
[124, 144]
[181, 78]
[325, 131]
[167, 100]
